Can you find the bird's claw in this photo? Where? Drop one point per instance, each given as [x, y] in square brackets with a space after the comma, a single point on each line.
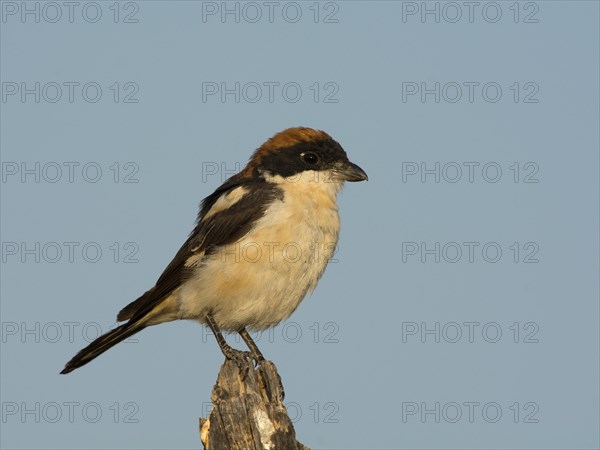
[241, 359]
[257, 359]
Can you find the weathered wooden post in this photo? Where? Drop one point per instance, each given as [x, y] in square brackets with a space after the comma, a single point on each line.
[248, 414]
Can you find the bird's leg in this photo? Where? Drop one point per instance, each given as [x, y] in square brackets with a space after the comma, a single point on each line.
[256, 354]
[258, 358]
[237, 356]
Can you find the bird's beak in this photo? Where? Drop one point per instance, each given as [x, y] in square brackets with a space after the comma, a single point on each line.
[351, 172]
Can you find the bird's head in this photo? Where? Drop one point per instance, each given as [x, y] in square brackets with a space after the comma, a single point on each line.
[303, 154]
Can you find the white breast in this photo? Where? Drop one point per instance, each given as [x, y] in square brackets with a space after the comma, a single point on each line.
[261, 280]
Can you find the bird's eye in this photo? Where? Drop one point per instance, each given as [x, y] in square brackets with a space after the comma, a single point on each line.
[310, 157]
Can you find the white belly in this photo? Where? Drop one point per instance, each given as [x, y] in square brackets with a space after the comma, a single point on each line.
[261, 280]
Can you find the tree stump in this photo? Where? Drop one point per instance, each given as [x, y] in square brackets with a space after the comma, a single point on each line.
[248, 414]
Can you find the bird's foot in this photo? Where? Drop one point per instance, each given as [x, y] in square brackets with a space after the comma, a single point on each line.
[257, 356]
[241, 359]
[257, 359]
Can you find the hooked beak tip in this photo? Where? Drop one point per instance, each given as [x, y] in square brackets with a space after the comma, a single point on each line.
[354, 173]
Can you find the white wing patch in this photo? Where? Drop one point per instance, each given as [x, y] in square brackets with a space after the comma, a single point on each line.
[227, 200]
[224, 202]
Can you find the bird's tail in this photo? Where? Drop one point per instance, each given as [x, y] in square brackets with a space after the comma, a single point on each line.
[103, 343]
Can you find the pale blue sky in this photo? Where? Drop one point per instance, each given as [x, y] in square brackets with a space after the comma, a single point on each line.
[358, 375]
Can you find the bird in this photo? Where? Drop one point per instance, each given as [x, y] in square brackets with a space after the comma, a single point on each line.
[261, 242]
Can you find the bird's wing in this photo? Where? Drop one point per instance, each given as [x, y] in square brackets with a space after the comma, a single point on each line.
[225, 217]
